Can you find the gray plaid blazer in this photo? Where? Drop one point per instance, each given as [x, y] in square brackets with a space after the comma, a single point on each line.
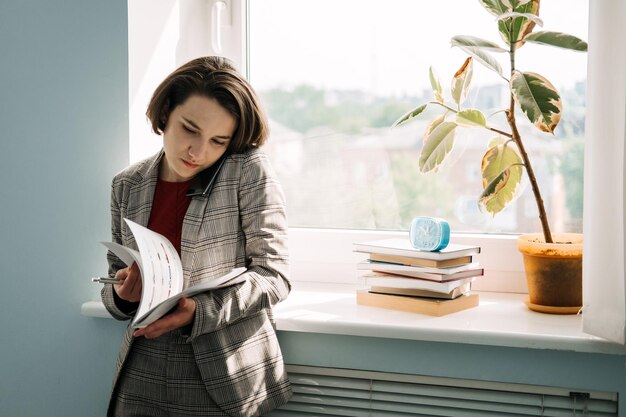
[242, 222]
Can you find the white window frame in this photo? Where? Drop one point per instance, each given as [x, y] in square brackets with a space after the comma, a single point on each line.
[164, 34]
[325, 255]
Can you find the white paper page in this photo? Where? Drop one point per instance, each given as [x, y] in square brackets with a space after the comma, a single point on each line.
[161, 267]
[232, 278]
[126, 255]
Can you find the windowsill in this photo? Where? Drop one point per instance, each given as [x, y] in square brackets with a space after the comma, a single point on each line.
[500, 320]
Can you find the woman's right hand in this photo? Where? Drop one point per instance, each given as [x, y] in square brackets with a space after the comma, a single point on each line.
[130, 288]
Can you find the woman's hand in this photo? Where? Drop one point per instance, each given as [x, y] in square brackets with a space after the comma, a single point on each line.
[182, 316]
[130, 288]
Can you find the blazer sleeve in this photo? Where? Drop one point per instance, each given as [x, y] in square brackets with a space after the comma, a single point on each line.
[264, 224]
[118, 308]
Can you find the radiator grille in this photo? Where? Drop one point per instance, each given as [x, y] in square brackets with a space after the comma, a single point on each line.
[337, 392]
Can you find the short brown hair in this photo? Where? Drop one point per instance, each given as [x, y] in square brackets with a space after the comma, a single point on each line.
[213, 77]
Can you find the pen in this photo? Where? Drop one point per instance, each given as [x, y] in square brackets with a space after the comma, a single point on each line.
[106, 280]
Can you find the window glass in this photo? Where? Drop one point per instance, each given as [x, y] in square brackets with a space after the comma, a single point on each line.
[335, 74]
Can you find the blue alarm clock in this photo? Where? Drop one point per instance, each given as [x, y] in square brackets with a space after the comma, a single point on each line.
[429, 233]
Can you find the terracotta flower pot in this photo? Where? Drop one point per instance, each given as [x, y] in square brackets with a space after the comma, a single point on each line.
[553, 272]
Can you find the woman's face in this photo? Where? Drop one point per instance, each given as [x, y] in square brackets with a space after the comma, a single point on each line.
[197, 133]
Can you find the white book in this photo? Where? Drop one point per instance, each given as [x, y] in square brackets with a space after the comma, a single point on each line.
[402, 247]
[162, 274]
[457, 292]
[390, 266]
[384, 280]
[433, 274]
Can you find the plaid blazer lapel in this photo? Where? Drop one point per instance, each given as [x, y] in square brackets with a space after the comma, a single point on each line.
[141, 195]
[191, 230]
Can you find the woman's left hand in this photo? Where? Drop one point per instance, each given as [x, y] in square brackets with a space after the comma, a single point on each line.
[182, 316]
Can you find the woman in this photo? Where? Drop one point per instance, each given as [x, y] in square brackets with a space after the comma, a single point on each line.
[212, 192]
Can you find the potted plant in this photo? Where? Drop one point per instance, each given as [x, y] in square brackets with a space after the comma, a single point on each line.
[553, 261]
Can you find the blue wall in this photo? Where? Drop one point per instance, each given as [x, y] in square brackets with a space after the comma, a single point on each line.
[563, 369]
[64, 133]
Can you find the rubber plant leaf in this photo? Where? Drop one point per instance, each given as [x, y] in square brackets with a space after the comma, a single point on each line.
[437, 146]
[496, 7]
[512, 4]
[461, 81]
[472, 41]
[436, 85]
[481, 56]
[502, 174]
[538, 99]
[513, 29]
[410, 115]
[436, 122]
[558, 39]
[529, 16]
[471, 118]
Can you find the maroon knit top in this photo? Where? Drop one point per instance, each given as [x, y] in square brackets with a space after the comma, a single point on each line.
[169, 206]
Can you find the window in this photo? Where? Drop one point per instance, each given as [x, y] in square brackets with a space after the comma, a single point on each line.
[334, 76]
[165, 35]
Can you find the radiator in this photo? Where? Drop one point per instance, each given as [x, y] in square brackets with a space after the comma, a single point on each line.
[341, 392]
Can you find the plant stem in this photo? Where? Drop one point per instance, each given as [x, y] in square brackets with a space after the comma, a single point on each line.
[444, 106]
[510, 117]
[500, 132]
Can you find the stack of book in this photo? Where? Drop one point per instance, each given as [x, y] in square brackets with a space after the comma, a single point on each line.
[399, 277]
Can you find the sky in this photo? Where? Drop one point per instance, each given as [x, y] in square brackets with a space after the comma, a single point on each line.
[386, 48]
